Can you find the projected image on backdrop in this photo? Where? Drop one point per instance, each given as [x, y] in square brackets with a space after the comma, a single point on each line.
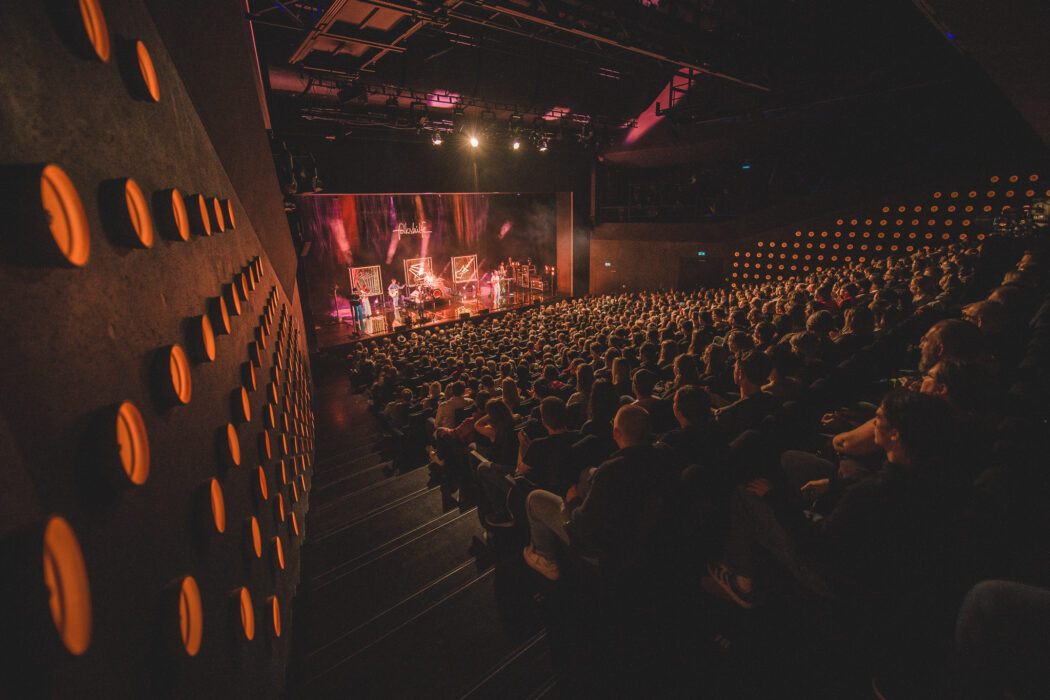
[384, 230]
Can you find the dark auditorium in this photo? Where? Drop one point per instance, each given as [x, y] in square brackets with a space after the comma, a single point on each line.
[525, 349]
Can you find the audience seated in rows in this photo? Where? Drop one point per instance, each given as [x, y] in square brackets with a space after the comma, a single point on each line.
[847, 429]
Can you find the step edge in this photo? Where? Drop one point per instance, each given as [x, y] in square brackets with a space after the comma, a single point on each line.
[448, 596]
[506, 661]
[385, 549]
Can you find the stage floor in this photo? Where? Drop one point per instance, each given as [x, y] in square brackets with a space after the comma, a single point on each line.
[339, 328]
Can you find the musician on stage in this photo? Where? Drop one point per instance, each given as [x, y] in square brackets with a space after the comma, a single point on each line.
[495, 281]
[394, 290]
[419, 299]
[355, 305]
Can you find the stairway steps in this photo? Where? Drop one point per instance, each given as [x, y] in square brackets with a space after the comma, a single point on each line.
[353, 482]
[451, 643]
[384, 582]
[528, 669]
[364, 535]
[345, 453]
[327, 659]
[327, 577]
[335, 473]
[399, 597]
[331, 516]
[548, 691]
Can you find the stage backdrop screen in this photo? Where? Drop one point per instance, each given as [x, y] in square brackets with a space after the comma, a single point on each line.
[359, 230]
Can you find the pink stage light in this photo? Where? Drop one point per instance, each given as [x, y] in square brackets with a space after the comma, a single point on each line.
[556, 113]
[443, 99]
[648, 119]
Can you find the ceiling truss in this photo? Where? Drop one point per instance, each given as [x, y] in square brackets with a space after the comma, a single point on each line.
[571, 27]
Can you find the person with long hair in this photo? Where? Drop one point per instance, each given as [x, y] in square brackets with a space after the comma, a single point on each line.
[510, 394]
[497, 427]
[685, 374]
[584, 381]
[621, 376]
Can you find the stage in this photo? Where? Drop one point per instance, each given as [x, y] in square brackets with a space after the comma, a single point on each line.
[338, 328]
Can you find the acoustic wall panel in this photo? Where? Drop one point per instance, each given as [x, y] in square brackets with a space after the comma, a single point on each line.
[93, 387]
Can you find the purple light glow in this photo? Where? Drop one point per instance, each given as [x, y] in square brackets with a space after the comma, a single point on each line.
[443, 99]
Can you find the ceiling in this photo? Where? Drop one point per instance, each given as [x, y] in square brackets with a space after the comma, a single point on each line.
[588, 72]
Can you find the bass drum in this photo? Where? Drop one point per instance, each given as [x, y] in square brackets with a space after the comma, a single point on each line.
[438, 293]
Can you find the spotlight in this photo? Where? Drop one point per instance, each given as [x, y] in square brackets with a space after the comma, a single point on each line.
[515, 144]
[474, 141]
[435, 138]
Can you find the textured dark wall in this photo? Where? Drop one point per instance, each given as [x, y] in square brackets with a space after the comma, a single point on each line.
[210, 45]
[646, 261]
[1011, 48]
[79, 339]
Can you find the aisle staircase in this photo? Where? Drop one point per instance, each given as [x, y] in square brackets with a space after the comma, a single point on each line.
[401, 597]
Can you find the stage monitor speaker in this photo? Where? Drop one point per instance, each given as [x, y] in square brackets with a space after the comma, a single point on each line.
[483, 312]
[464, 316]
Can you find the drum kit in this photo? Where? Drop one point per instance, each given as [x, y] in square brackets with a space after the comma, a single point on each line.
[434, 288]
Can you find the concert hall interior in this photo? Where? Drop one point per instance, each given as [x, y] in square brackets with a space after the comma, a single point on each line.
[525, 349]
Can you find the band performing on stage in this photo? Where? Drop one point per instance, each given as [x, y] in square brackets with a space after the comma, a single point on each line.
[426, 298]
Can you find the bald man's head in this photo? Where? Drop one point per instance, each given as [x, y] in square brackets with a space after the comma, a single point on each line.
[631, 426]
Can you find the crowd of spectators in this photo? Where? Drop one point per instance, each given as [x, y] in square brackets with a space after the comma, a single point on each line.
[870, 433]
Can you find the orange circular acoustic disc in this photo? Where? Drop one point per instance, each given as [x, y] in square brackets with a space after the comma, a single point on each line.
[275, 613]
[133, 443]
[207, 339]
[191, 616]
[200, 223]
[263, 489]
[218, 505]
[138, 213]
[228, 207]
[254, 537]
[65, 215]
[247, 613]
[180, 217]
[179, 366]
[216, 207]
[147, 72]
[224, 315]
[278, 553]
[66, 579]
[95, 28]
[233, 445]
[245, 407]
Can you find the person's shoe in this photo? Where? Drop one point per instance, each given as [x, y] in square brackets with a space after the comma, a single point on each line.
[720, 580]
[499, 520]
[544, 565]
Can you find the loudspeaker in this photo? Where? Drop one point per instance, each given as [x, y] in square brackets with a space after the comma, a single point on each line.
[483, 312]
[464, 316]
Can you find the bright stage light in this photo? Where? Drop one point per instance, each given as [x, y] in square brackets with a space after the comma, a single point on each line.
[436, 138]
[474, 141]
[516, 144]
